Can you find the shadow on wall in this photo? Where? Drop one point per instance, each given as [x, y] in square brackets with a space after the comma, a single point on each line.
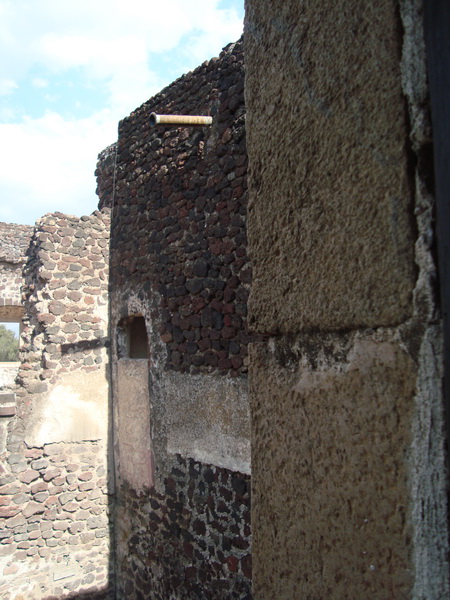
[102, 595]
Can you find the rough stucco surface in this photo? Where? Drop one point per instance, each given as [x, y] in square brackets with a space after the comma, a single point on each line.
[133, 423]
[340, 526]
[343, 124]
[207, 418]
[348, 447]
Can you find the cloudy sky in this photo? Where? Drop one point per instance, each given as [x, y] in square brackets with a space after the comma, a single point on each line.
[69, 71]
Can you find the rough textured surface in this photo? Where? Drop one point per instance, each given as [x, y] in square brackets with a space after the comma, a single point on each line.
[55, 525]
[340, 524]
[208, 419]
[14, 242]
[106, 176]
[428, 476]
[178, 229]
[10, 282]
[342, 123]
[349, 425]
[190, 541]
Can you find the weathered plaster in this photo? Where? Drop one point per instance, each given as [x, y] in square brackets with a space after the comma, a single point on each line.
[428, 472]
[207, 418]
[332, 251]
[8, 372]
[135, 460]
[74, 410]
[329, 215]
[428, 476]
[331, 421]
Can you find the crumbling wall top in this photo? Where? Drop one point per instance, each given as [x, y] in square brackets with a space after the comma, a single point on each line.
[14, 241]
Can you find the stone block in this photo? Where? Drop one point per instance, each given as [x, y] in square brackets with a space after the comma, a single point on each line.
[7, 398]
[330, 211]
[29, 476]
[332, 420]
[7, 411]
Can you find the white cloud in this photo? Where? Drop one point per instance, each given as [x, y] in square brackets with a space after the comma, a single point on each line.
[48, 164]
[117, 47]
[7, 86]
[39, 82]
[108, 38]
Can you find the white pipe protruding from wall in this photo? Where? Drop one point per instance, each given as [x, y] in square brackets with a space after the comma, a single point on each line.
[188, 120]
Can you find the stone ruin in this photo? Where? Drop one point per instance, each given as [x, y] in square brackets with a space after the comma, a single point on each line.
[15, 240]
[80, 479]
[54, 493]
[126, 468]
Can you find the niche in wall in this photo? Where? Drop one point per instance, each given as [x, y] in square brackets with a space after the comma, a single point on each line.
[132, 338]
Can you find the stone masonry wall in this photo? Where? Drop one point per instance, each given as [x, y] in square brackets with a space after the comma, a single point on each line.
[197, 536]
[54, 501]
[10, 282]
[179, 218]
[14, 242]
[178, 259]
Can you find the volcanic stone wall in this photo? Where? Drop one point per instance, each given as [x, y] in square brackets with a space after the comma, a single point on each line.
[179, 218]
[197, 536]
[53, 476]
[179, 264]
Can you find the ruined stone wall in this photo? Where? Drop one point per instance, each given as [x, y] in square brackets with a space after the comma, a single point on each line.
[14, 242]
[10, 282]
[54, 502]
[178, 259]
[348, 469]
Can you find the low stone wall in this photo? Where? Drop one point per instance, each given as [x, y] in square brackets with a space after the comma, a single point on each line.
[56, 529]
[15, 240]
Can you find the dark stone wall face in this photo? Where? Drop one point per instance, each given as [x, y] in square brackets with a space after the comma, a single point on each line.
[179, 217]
[54, 495]
[178, 258]
[192, 541]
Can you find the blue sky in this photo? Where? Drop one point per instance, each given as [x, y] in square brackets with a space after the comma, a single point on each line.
[71, 70]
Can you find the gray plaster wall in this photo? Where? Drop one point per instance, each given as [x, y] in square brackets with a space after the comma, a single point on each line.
[348, 469]
[208, 419]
